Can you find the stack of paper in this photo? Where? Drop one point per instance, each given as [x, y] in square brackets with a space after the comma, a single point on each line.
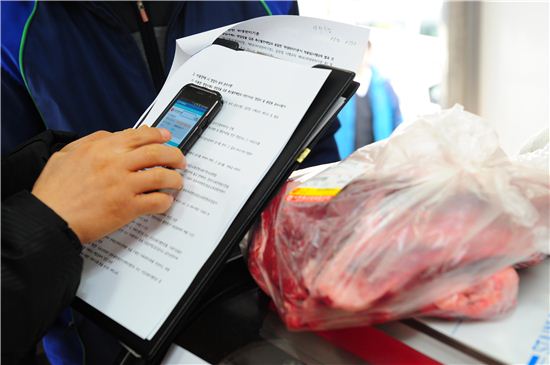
[137, 275]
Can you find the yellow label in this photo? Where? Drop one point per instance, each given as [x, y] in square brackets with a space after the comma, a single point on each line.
[315, 191]
[312, 195]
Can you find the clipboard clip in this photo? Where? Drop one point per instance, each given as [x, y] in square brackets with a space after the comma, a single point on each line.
[303, 155]
[227, 43]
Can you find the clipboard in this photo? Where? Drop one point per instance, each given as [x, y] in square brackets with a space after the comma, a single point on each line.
[331, 98]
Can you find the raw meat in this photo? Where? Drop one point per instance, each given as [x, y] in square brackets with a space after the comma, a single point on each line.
[429, 222]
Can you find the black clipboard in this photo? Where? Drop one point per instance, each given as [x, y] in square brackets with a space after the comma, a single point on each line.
[333, 95]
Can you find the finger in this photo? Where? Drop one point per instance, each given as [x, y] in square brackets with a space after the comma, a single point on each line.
[154, 155]
[144, 135]
[153, 203]
[155, 179]
[87, 139]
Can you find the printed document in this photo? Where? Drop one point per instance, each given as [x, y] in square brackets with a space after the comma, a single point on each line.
[308, 41]
[137, 275]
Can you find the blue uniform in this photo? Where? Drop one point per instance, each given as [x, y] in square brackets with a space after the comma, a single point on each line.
[75, 67]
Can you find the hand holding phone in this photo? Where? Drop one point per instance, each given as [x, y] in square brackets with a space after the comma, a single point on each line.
[188, 115]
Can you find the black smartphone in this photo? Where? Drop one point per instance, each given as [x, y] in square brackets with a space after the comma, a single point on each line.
[188, 115]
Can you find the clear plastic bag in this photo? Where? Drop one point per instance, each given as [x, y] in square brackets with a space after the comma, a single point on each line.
[427, 222]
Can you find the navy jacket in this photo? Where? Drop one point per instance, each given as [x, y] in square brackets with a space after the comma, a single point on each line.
[75, 66]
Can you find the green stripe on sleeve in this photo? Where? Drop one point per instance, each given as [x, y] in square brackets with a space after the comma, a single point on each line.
[266, 7]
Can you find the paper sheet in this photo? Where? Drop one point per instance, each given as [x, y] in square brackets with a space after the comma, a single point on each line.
[298, 39]
[136, 275]
[177, 355]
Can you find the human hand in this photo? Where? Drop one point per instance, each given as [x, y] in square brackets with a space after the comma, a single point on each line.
[98, 183]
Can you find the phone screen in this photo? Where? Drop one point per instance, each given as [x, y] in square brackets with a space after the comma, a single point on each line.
[180, 119]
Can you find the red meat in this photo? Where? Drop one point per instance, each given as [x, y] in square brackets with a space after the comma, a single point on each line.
[353, 261]
[488, 298]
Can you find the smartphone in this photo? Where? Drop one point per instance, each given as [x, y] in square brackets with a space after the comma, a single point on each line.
[188, 115]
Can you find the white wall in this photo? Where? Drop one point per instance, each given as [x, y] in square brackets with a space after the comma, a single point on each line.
[514, 78]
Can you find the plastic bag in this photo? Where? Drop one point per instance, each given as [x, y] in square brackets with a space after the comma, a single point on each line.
[535, 153]
[427, 222]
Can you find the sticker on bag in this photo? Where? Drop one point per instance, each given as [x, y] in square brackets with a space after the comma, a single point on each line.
[327, 184]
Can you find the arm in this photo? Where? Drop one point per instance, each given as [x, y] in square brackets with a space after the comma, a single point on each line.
[88, 189]
[22, 167]
[41, 268]
[40, 254]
